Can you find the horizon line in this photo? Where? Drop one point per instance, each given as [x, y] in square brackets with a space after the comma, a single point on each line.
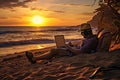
[33, 26]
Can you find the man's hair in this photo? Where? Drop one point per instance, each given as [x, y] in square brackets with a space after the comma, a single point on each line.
[87, 32]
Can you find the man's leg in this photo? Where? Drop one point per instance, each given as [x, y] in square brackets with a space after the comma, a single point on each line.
[51, 54]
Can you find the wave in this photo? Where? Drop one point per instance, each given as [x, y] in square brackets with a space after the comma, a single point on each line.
[6, 32]
[24, 42]
[33, 31]
[34, 41]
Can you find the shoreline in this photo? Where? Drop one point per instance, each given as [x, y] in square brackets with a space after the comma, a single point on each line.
[26, 47]
[8, 57]
[22, 48]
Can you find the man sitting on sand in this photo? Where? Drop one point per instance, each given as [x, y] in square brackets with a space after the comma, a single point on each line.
[89, 45]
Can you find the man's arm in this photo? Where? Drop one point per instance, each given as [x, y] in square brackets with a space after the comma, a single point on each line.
[72, 49]
[89, 45]
[75, 43]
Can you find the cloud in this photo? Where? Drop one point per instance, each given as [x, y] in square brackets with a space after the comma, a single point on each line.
[39, 9]
[86, 13]
[88, 5]
[15, 17]
[68, 1]
[13, 3]
[75, 4]
[3, 18]
[56, 11]
[12, 10]
[11, 23]
[72, 4]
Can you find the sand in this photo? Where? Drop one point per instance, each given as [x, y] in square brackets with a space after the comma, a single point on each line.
[79, 67]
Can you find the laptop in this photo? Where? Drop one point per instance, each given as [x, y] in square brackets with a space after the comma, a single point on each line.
[60, 41]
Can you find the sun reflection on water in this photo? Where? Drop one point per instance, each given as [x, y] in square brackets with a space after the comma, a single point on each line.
[40, 47]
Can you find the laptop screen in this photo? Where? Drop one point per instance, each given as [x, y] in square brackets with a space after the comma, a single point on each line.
[60, 41]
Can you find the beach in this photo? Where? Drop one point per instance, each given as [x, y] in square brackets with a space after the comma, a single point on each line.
[15, 66]
[79, 67]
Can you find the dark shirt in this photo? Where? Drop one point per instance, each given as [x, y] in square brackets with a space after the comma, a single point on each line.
[89, 45]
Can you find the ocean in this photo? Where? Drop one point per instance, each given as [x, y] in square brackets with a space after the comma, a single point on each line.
[14, 39]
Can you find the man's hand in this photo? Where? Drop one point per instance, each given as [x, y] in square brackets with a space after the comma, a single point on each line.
[70, 44]
[68, 47]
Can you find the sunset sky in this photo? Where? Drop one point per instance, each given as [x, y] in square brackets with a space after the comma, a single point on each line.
[52, 12]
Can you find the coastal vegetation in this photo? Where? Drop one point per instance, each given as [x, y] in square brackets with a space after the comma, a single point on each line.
[108, 16]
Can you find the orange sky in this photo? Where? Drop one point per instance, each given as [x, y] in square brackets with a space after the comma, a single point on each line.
[54, 12]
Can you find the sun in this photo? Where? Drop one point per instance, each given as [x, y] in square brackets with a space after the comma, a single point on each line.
[37, 20]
